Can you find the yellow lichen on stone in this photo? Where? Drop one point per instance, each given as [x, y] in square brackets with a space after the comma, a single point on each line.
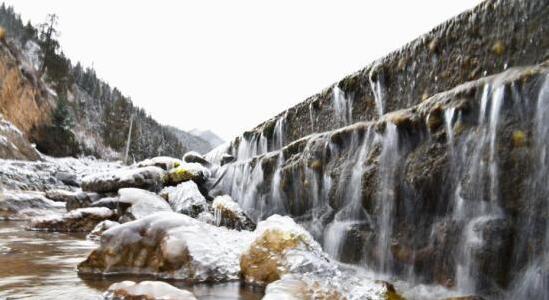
[179, 174]
[519, 138]
[498, 48]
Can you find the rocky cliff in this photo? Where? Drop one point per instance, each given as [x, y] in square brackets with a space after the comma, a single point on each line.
[429, 165]
[66, 110]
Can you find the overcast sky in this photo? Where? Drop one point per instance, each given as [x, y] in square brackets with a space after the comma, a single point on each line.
[229, 65]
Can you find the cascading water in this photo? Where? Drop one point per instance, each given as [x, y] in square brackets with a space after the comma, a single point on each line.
[352, 214]
[480, 205]
[343, 106]
[377, 89]
[360, 191]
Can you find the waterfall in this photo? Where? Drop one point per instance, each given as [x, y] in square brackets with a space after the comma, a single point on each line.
[343, 106]
[463, 205]
[377, 90]
[388, 162]
[533, 281]
[352, 213]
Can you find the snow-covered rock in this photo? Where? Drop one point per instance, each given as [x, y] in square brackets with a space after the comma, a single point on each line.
[78, 220]
[188, 171]
[146, 290]
[185, 198]
[72, 199]
[282, 247]
[164, 162]
[140, 203]
[13, 144]
[49, 173]
[150, 178]
[195, 157]
[206, 217]
[229, 214]
[296, 287]
[98, 230]
[21, 205]
[110, 202]
[169, 245]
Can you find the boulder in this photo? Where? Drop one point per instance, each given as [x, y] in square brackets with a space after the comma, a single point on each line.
[195, 157]
[110, 202]
[73, 200]
[150, 178]
[22, 205]
[280, 247]
[229, 214]
[98, 230]
[309, 286]
[169, 245]
[188, 171]
[185, 198]
[164, 162]
[78, 220]
[67, 178]
[146, 290]
[137, 203]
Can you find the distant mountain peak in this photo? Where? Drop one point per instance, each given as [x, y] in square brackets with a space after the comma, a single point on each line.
[213, 139]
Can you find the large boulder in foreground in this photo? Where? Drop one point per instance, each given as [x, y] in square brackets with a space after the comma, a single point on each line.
[169, 245]
[150, 178]
[137, 203]
[280, 247]
[185, 198]
[146, 290]
[164, 162]
[20, 205]
[229, 214]
[78, 220]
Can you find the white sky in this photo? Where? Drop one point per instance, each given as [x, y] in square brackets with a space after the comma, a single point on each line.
[229, 65]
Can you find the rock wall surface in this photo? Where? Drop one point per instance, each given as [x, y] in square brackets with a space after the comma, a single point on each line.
[428, 165]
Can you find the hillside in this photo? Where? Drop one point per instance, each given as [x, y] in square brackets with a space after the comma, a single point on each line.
[69, 110]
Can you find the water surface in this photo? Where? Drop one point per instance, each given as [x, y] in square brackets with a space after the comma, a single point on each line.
[42, 265]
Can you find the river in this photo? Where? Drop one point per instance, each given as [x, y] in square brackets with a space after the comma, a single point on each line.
[42, 265]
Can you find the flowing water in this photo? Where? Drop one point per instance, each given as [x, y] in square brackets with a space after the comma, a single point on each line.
[322, 186]
[42, 265]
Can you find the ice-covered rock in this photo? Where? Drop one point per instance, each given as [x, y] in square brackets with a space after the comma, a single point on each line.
[78, 220]
[98, 230]
[206, 217]
[110, 202]
[22, 205]
[229, 214]
[146, 290]
[195, 157]
[185, 198]
[164, 162]
[150, 178]
[297, 287]
[169, 245]
[139, 203]
[188, 171]
[59, 195]
[72, 199]
[282, 247]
